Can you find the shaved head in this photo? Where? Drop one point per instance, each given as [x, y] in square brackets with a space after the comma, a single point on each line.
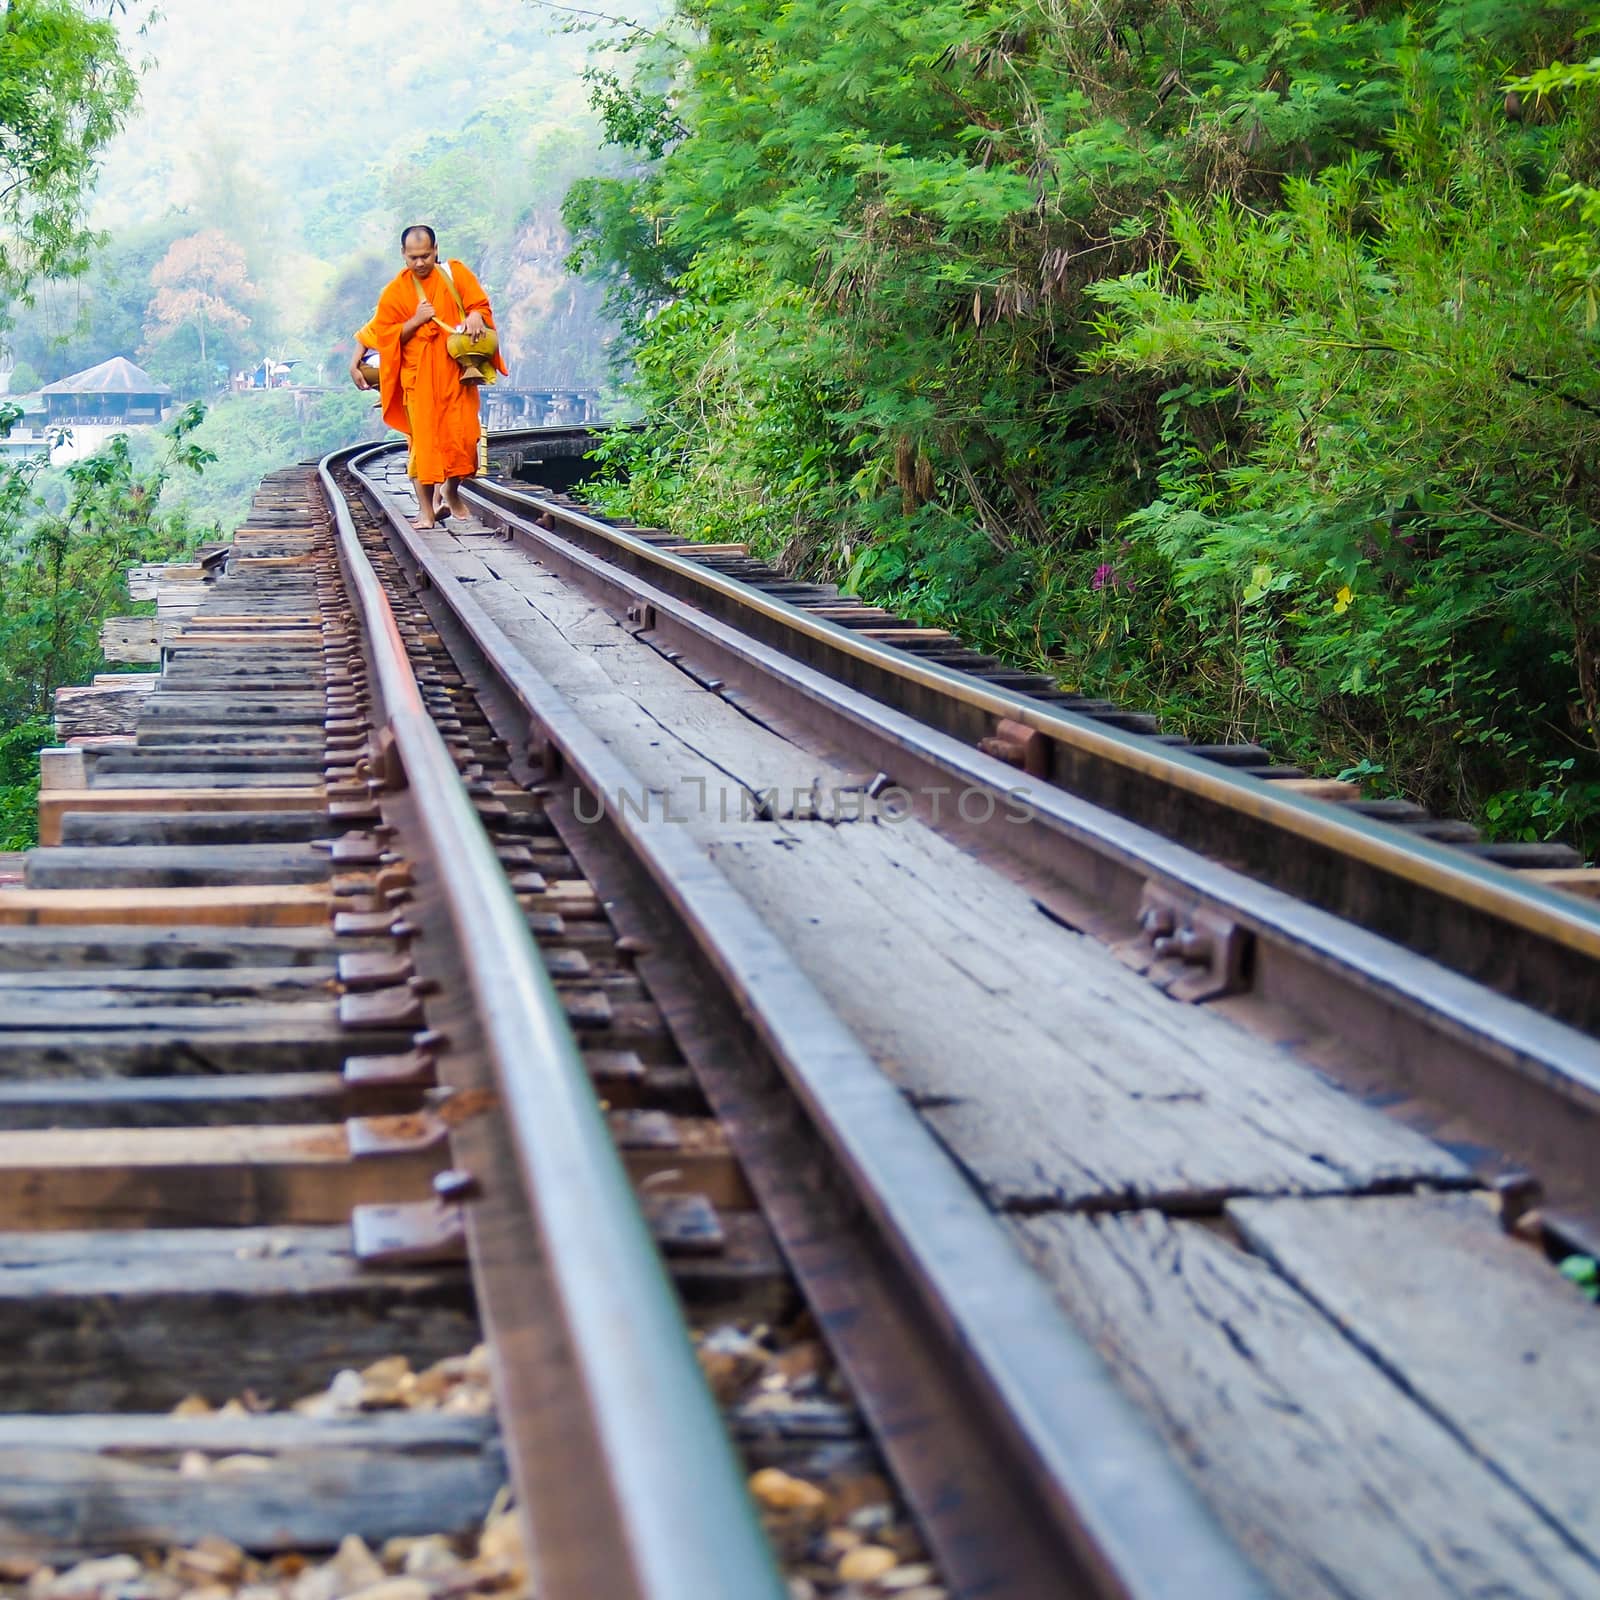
[420, 249]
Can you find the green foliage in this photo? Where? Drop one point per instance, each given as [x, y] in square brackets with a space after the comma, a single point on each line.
[19, 781]
[65, 89]
[1235, 361]
[23, 378]
[63, 569]
[1585, 1272]
[254, 123]
[254, 433]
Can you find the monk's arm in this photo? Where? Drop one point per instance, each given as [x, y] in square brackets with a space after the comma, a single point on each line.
[363, 379]
[474, 302]
[419, 318]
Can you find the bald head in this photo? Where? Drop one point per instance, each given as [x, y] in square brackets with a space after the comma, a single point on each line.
[420, 248]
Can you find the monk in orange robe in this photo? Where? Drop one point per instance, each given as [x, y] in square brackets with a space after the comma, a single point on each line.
[419, 382]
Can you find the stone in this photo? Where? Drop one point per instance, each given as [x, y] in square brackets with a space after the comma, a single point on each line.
[774, 1488]
[395, 1589]
[88, 1578]
[866, 1563]
[211, 1560]
[913, 1575]
[431, 1558]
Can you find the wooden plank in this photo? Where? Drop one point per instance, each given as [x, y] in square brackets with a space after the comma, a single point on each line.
[138, 1320]
[1583, 881]
[294, 905]
[1338, 1485]
[1476, 1325]
[120, 1040]
[174, 866]
[53, 948]
[55, 804]
[194, 827]
[138, 1434]
[231, 619]
[76, 1178]
[151, 1102]
[1332, 789]
[1114, 1093]
[83, 711]
[957, 981]
[134, 985]
[266, 635]
[65, 768]
[130, 639]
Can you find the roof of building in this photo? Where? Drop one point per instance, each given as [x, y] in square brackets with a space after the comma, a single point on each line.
[116, 376]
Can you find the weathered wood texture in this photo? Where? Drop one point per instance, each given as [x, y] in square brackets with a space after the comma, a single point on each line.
[955, 981]
[238, 1098]
[114, 1040]
[76, 1178]
[193, 827]
[1334, 1480]
[133, 799]
[81, 711]
[138, 1320]
[261, 906]
[236, 985]
[1474, 1324]
[87, 1485]
[174, 866]
[58, 949]
[132, 638]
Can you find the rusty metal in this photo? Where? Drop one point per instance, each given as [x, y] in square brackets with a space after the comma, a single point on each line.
[373, 969]
[394, 1007]
[1030, 1472]
[1177, 936]
[1525, 1072]
[417, 1234]
[413, 1067]
[591, 1328]
[394, 1135]
[1440, 902]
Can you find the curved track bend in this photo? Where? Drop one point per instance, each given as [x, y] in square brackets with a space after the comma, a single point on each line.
[1172, 1163]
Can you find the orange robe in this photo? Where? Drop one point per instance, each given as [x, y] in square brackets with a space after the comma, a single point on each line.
[418, 381]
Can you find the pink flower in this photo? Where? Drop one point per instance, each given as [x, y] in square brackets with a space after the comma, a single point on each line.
[1103, 574]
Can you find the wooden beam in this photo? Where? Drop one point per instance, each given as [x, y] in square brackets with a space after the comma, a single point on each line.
[137, 1320]
[74, 1178]
[294, 905]
[281, 797]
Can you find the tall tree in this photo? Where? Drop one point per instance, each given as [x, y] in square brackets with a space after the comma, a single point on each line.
[65, 89]
[199, 283]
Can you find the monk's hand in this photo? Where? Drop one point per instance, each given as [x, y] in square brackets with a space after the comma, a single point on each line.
[474, 326]
[423, 314]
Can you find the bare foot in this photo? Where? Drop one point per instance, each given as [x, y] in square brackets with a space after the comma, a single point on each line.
[422, 527]
[457, 508]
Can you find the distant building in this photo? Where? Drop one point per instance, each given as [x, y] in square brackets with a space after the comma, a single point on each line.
[115, 394]
[29, 435]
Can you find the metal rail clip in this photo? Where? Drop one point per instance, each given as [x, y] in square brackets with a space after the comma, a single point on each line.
[1188, 950]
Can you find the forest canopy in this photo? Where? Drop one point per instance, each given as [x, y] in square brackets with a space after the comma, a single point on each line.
[1235, 361]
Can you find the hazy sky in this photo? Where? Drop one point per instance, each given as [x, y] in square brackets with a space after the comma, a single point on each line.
[290, 83]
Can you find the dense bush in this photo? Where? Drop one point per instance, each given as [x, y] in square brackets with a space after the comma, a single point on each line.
[1237, 361]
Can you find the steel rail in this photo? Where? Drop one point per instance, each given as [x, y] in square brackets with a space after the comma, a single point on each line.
[1531, 1078]
[1126, 1524]
[675, 1520]
[1563, 919]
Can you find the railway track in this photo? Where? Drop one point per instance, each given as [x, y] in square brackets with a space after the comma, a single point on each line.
[494, 935]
